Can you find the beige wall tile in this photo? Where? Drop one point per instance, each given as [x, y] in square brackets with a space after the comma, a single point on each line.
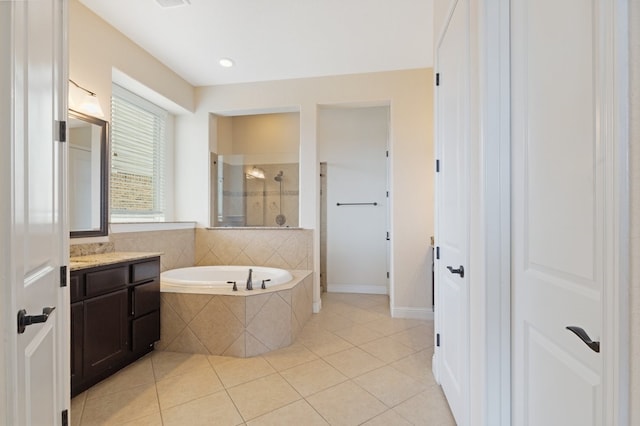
[187, 342]
[216, 327]
[187, 305]
[171, 325]
[286, 248]
[272, 324]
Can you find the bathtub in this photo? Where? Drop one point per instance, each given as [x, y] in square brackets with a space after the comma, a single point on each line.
[200, 313]
[215, 279]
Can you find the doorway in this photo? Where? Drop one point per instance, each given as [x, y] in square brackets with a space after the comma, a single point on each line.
[352, 148]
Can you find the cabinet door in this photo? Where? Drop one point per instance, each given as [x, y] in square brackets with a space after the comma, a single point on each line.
[145, 298]
[105, 332]
[145, 330]
[77, 328]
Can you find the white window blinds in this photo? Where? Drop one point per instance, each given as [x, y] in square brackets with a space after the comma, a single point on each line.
[138, 142]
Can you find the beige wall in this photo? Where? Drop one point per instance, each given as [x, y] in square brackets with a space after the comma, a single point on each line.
[409, 94]
[266, 133]
[95, 48]
[634, 26]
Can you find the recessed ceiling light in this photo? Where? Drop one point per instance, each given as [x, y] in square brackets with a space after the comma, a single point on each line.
[172, 3]
[226, 62]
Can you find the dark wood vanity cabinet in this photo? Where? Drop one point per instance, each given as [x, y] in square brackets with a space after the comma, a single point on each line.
[115, 318]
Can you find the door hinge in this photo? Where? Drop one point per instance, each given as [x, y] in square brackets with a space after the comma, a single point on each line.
[387, 153]
[61, 128]
[65, 418]
[387, 194]
[388, 236]
[438, 340]
[438, 252]
[63, 276]
[388, 275]
[437, 79]
[437, 166]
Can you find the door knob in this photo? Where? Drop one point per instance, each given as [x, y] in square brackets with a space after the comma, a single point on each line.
[459, 271]
[24, 320]
[578, 331]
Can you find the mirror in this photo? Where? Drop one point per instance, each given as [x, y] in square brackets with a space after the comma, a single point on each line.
[88, 175]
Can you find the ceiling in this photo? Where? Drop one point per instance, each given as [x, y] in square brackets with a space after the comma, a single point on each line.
[276, 39]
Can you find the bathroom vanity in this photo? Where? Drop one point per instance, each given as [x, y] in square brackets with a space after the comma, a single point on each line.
[115, 313]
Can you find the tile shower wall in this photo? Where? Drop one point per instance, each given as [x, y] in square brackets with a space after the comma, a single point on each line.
[279, 248]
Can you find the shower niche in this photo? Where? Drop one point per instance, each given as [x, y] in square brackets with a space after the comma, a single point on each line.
[255, 173]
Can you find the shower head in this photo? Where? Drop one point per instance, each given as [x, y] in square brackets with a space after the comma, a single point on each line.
[278, 177]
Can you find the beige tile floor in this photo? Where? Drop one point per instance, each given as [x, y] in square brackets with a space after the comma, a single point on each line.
[352, 364]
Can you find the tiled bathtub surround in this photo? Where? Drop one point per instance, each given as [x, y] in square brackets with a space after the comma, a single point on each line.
[278, 248]
[230, 325]
[177, 246]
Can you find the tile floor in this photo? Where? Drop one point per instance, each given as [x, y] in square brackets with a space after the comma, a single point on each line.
[352, 364]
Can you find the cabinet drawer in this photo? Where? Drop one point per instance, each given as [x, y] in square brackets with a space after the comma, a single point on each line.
[104, 281]
[145, 270]
[145, 330]
[76, 289]
[145, 298]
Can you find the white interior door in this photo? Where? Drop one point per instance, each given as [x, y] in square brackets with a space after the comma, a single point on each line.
[452, 221]
[561, 208]
[34, 241]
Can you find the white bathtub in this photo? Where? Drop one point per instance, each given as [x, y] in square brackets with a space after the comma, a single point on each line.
[214, 279]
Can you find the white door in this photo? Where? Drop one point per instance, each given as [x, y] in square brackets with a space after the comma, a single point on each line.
[33, 243]
[452, 221]
[562, 209]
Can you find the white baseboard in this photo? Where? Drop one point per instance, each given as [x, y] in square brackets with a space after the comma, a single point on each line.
[413, 313]
[317, 306]
[356, 288]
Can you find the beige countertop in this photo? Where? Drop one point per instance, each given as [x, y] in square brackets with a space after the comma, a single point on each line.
[93, 260]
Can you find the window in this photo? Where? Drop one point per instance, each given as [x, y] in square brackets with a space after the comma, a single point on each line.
[138, 144]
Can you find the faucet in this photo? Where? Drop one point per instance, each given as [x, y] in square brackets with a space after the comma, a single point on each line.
[249, 281]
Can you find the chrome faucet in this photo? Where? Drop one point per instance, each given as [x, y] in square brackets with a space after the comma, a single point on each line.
[249, 281]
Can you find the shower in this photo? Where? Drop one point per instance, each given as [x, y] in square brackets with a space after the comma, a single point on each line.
[280, 219]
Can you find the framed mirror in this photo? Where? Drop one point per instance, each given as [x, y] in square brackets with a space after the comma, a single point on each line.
[88, 178]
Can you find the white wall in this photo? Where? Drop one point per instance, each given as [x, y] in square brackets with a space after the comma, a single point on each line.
[409, 94]
[634, 26]
[353, 141]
